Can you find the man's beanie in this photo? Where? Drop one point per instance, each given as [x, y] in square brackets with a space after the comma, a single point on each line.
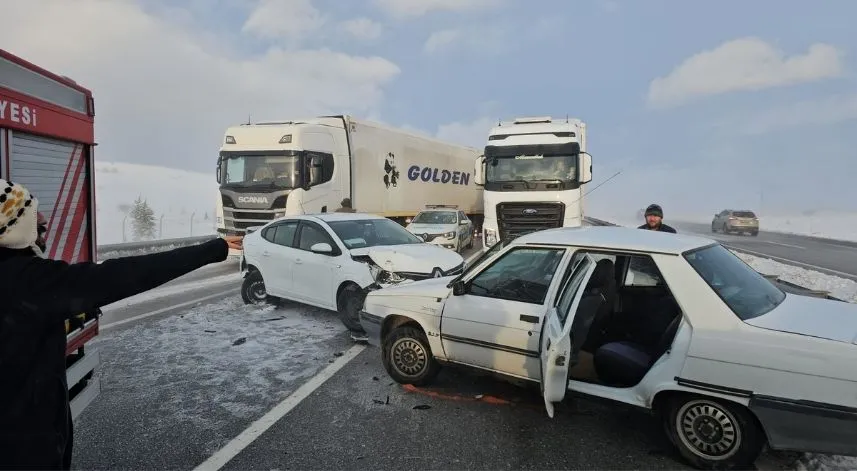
[18, 216]
[654, 210]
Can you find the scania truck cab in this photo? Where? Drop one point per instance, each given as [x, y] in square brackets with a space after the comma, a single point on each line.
[533, 171]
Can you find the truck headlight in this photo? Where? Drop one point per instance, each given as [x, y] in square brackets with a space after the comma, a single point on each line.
[279, 215]
[490, 237]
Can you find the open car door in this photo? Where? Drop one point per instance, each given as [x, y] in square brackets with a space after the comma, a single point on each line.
[556, 342]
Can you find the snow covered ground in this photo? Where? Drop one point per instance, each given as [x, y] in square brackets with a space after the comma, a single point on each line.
[841, 288]
[183, 202]
[175, 390]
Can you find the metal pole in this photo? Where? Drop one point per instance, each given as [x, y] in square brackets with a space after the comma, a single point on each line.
[191, 222]
[123, 228]
[161, 228]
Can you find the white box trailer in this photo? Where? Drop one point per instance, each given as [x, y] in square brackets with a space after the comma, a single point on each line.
[47, 137]
[268, 170]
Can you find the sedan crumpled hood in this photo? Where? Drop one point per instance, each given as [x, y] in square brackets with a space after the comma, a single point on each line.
[815, 317]
[432, 288]
[412, 258]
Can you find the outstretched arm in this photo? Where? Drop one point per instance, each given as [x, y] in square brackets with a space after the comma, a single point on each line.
[56, 287]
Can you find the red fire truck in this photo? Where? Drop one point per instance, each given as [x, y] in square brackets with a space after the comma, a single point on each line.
[47, 138]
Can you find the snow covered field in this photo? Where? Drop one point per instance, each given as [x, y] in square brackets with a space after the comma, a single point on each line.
[183, 202]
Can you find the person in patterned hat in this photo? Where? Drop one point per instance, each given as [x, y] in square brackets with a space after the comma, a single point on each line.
[38, 296]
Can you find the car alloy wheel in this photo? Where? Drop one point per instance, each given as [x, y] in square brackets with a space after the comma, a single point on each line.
[409, 358]
[708, 430]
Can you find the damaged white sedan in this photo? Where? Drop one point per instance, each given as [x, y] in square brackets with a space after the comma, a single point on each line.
[666, 322]
[332, 260]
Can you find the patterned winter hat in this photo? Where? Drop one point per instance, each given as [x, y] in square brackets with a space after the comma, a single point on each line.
[18, 216]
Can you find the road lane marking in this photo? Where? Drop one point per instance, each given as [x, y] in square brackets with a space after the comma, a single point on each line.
[850, 276]
[260, 426]
[169, 308]
[784, 245]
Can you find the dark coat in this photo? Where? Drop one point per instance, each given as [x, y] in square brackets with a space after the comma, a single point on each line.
[38, 295]
[662, 228]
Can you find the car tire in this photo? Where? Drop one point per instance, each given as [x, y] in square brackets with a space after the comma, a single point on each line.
[699, 427]
[253, 289]
[348, 304]
[470, 244]
[407, 357]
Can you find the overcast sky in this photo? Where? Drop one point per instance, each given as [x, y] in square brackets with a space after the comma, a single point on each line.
[701, 105]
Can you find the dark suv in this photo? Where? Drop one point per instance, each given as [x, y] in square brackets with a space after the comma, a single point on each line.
[732, 220]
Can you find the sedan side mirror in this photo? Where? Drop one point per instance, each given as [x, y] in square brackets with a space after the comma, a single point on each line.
[458, 288]
[322, 247]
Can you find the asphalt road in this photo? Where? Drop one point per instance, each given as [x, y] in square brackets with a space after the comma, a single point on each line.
[361, 419]
[203, 285]
[827, 256]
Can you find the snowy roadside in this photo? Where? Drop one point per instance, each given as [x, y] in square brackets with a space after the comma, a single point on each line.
[841, 288]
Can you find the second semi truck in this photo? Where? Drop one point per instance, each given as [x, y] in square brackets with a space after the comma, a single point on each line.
[533, 171]
[269, 170]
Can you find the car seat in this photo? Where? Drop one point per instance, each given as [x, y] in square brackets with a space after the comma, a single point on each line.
[625, 363]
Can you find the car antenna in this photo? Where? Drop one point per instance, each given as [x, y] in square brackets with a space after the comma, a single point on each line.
[248, 117]
[596, 187]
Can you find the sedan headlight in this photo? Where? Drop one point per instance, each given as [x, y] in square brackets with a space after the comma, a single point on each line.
[450, 235]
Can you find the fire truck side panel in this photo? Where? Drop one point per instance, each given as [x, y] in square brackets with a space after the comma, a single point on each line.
[57, 172]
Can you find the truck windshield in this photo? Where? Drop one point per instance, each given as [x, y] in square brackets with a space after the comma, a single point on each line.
[436, 217]
[279, 171]
[743, 289]
[532, 168]
[360, 233]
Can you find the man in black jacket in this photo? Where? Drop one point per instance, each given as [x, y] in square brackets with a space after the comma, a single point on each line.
[39, 295]
[654, 220]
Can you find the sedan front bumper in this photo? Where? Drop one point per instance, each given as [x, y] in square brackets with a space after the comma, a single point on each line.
[372, 326]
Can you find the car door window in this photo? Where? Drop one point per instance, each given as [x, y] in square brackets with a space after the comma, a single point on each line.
[523, 275]
[578, 269]
[284, 234]
[642, 271]
[312, 234]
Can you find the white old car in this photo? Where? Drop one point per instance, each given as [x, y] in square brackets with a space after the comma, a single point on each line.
[331, 260]
[672, 323]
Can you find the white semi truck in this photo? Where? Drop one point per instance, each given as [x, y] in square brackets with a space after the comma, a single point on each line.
[533, 171]
[272, 169]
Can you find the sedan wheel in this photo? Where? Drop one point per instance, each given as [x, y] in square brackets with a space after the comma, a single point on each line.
[408, 358]
[708, 430]
[713, 434]
[253, 289]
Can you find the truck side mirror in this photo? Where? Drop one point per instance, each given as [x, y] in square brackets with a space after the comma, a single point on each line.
[219, 167]
[479, 171]
[584, 166]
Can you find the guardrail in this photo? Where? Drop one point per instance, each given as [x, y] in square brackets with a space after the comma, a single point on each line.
[784, 285]
[133, 248]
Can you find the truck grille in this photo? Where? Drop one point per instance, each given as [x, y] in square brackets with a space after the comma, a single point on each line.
[519, 218]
